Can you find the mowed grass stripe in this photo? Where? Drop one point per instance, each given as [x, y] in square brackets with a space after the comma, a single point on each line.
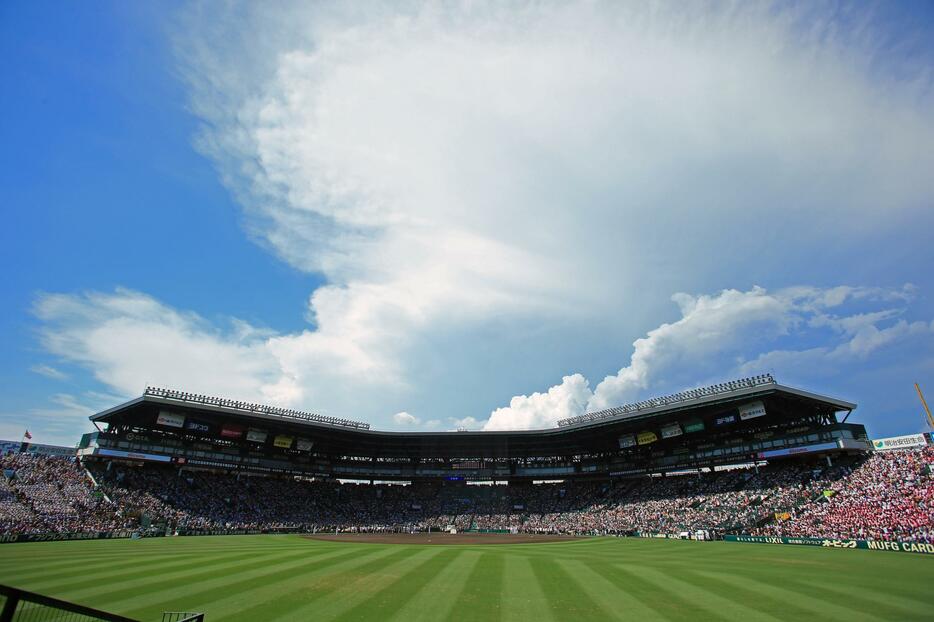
[788, 592]
[780, 603]
[724, 608]
[810, 593]
[866, 604]
[481, 597]
[203, 595]
[89, 581]
[667, 604]
[124, 553]
[522, 593]
[438, 596]
[339, 594]
[393, 596]
[191, 572]
[274, 596]
[563, 594]
[293, 578]
[616, 599]
[54, 573]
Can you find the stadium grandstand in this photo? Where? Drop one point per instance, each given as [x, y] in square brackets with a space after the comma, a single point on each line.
[746, 457]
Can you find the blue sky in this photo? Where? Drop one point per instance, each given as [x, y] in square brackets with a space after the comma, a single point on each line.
[479, 215]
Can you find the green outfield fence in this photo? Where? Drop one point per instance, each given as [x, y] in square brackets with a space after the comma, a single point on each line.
[872, 545]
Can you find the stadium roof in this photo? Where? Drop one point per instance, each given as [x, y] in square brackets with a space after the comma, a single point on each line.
[580, 435]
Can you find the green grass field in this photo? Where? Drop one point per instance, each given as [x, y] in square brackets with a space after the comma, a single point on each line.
[264, 578]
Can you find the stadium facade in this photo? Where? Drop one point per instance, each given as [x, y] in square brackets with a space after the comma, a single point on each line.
[744, 421]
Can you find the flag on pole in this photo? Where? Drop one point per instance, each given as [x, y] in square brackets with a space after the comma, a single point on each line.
[27, 435]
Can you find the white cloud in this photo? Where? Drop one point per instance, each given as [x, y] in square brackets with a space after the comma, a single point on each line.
[712, 331]
[405, 419]
[709, 325]
[444, 165]
[129, 340]
[471, 177]
[543, 410]
[59, 423]
[49, 372]
[127, 337]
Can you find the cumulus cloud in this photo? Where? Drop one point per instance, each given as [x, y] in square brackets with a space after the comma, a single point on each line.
[405, 419]
[543, 410]
[714, 333]
[448, 164]
[729, 321]
[470, 177]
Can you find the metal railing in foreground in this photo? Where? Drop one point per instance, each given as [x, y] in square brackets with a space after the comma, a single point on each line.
[22, 606]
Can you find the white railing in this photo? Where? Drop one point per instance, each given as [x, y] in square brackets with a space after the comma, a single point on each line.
[248, 407]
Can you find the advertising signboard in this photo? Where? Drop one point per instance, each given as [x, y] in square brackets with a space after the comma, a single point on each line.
[197, 426]
[899, 442]
[131, 455]
[627, 440]
[724, 420]
[256, 436]
[672, 430]
[170, 419]
[229, 430]
[791, 451]
[752, 410]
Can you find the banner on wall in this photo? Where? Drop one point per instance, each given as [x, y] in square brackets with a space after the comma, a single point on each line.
[256, 436]
[303, 444]
[872, 545]
[695, 425]
[282, 441]
[724, 420]
[627, 440]
[792, 451]
[646, 438]
[671, 431]
[229, 430]
[197, 426]
[132, 455]
[899, 442]
[751, 411]
[170, 419]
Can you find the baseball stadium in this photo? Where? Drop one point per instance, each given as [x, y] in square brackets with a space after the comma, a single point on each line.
[748, 500]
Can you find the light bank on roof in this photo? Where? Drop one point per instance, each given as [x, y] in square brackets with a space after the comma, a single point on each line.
[745, 387]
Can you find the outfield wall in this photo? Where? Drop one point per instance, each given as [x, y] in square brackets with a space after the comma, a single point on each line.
[53, 537]
[872, 545]
[128, 533]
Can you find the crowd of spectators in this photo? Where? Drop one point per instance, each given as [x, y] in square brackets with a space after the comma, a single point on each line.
[880, 496]
[889, 496]
[46, 494]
